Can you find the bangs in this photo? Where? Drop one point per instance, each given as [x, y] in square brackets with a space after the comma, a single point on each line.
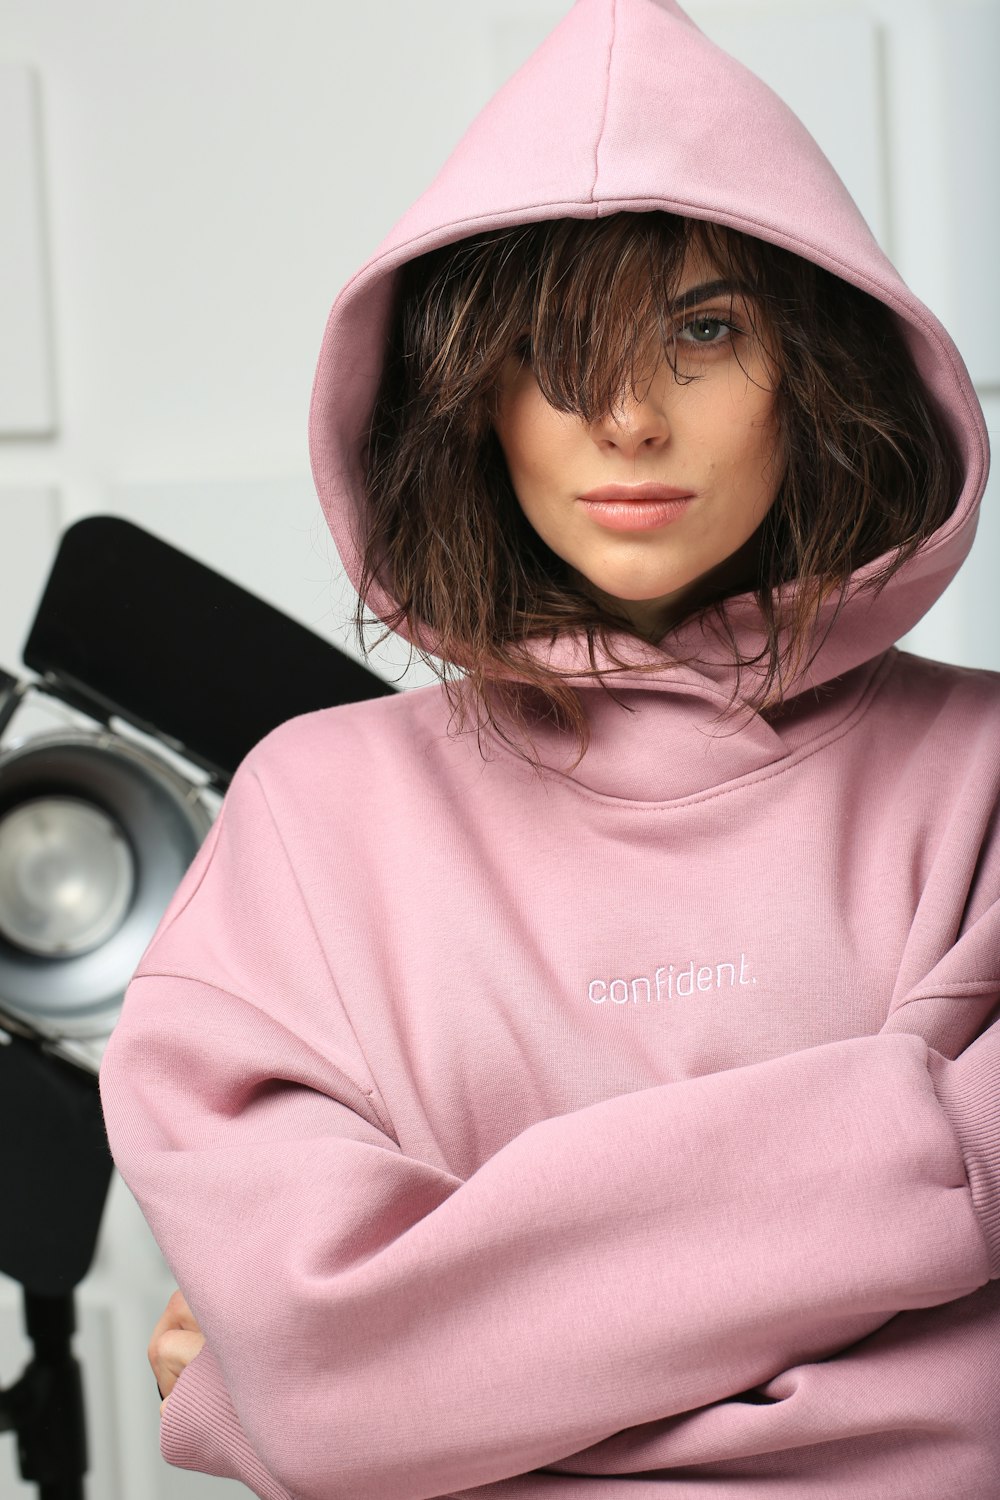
[593, 305]
[606, 310]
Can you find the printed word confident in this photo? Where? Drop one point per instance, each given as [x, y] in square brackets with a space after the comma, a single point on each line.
[668, 981]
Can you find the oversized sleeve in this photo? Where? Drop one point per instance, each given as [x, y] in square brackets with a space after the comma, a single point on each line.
[379, 1329]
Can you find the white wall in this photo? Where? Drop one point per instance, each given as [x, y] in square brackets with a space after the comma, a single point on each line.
[212, 171]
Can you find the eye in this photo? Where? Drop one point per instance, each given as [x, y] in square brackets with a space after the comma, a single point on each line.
[705, 331]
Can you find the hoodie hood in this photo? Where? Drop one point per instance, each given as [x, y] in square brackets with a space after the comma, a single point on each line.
[627, 106]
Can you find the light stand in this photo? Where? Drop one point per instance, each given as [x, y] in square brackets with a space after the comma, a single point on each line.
[58, 1111]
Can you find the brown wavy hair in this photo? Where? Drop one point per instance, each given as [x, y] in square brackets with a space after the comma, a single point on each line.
[870, 468]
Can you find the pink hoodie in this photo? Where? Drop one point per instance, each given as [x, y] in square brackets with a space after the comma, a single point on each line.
[618, 1131]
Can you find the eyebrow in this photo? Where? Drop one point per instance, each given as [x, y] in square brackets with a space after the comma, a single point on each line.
[706, 291]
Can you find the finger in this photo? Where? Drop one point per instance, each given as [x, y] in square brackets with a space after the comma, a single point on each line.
[177, 1314]
[179, 1349]
[176, 1349]
[172, 1353]
[178, 1304]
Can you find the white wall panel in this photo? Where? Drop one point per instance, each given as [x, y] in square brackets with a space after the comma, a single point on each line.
[219, 170]
[964, 625]
[26, 393]
[29, 530]
[970, 65]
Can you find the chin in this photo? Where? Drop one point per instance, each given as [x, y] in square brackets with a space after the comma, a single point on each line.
[670, 593]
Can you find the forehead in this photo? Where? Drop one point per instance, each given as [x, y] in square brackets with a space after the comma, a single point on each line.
[697, 274]
[697, 266]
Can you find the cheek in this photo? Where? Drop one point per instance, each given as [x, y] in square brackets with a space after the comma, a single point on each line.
[516, 424]
[534, 438]
[756, 441]
[772, 448]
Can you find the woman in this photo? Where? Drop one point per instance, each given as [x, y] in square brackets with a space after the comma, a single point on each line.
[580, 1075]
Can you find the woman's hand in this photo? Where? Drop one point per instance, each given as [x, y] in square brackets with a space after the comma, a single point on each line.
[176, 1340]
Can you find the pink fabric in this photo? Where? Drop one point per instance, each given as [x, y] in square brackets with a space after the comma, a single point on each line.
[607, 1130]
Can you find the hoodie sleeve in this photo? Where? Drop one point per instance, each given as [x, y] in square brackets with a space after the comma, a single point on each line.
[379, 1329]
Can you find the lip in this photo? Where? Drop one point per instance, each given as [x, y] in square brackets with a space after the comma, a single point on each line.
[648, 491]
[635, 507]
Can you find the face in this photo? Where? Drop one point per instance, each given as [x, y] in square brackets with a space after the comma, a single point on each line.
[714, 441]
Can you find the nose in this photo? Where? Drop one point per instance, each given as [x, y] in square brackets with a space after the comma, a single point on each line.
[638, 422]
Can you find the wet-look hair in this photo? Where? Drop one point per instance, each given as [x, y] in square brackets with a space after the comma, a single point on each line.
[869, 466]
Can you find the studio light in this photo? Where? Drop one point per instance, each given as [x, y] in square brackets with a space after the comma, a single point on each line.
[149, 678]
[95, 834]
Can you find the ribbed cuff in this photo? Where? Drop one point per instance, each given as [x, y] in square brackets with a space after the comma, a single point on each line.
[200, 1430]
[968, 1090]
